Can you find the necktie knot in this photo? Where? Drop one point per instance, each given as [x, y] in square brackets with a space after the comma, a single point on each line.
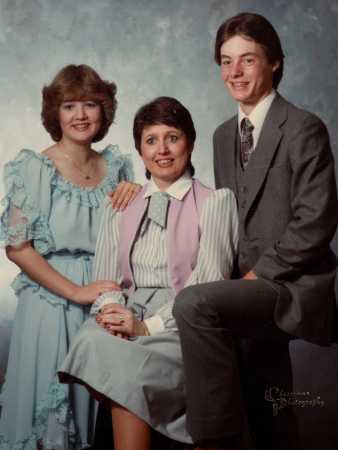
[246, 126]
[158, 208]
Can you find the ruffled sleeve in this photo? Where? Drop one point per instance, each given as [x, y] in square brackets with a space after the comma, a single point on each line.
[120, 166]
[27, 202]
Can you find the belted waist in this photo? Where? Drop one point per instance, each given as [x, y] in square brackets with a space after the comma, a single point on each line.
[64, 255]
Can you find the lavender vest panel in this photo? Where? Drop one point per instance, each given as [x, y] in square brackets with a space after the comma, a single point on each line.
[183, 234]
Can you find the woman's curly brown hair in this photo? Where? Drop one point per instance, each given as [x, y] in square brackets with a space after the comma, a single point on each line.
[77, 83]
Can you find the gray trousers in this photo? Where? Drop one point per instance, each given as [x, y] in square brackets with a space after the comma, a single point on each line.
[210, 318]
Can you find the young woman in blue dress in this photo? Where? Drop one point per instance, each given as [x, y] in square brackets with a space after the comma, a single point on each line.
[49, 228]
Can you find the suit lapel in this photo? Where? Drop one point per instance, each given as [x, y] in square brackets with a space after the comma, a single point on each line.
[261, 159]
[228, 154]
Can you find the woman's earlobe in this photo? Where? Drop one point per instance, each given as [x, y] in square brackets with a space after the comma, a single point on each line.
[275, 66]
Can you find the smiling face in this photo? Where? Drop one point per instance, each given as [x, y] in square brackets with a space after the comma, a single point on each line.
[246, 71]
[165, 152]
[80, 121]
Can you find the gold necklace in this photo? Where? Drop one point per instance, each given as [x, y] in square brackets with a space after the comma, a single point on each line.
[85, 175]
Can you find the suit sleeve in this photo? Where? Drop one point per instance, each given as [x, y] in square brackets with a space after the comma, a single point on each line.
[305, 241]
[217, 163]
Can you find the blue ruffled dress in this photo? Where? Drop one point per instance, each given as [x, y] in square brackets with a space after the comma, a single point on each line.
[62, 220]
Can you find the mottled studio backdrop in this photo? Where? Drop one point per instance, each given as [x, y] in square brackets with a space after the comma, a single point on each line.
[149, 48]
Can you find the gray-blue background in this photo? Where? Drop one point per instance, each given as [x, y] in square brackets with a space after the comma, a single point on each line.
[150, 48]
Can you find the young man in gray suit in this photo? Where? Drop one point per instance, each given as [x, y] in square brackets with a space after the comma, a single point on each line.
[278, 161]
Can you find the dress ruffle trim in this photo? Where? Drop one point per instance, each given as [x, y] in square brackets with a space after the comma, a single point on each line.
[32, 224]
[25, 444]
[56, 402]
[36, 229]
[22, 281]
[119, 167]
[35, 224]
[112, 297]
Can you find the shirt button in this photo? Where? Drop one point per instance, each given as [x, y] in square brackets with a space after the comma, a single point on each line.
[243, 204]
[244, 189]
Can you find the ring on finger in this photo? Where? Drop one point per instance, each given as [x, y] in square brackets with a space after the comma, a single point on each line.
[121, 318]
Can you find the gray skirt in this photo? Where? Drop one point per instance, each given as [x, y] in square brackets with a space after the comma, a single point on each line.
[144, 375]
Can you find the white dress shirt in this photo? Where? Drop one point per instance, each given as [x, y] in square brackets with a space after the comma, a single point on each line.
[257, 115]
[177, 190]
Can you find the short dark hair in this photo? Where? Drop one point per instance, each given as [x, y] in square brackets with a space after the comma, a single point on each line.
[260, 30]
[167, 111]
[75, 83]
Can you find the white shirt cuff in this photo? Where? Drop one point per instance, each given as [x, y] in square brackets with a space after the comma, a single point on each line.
[107, 301]
[154, 324]
[102, 301]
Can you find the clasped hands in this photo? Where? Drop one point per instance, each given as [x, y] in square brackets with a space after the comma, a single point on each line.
[121, 322]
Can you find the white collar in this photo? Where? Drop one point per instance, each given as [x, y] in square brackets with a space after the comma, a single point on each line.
[177, 190]
[257, 115]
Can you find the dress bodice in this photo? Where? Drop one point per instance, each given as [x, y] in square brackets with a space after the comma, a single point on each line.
[55, 214]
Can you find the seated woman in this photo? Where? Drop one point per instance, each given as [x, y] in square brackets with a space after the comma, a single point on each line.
[175, 233]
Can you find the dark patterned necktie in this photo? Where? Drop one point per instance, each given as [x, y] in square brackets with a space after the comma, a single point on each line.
[246, 141]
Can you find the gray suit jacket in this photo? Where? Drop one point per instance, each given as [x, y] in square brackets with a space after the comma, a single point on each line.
[289, 213]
